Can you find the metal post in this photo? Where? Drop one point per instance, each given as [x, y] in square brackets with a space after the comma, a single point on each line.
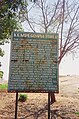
[16, 105]
[48, 105]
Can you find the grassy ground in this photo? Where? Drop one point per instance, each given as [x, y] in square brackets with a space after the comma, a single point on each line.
[3, 86]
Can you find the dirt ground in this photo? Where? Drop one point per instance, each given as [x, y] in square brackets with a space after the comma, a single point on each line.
[36, 106]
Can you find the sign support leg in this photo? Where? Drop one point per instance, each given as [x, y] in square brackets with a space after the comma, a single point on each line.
[16, 105]
[48, 105]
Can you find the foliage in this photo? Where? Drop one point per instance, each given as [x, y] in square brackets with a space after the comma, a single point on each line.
[8, 21]
[1, 52]
[8, 18]
[3, 86]
[22, 97]
[1, 74]
[10, 11]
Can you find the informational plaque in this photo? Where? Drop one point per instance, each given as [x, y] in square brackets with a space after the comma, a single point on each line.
[33, 62]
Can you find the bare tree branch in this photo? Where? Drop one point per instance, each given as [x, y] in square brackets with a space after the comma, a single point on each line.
[44, 18]
[68, 39]
[62, 25]
[53, 13]
[60, 17]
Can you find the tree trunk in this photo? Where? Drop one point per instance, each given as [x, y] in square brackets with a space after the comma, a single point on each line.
[53, 99]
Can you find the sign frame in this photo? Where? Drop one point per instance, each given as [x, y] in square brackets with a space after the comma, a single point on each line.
[34, 36]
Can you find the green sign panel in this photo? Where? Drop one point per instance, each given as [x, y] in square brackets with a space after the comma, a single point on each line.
[33, 62]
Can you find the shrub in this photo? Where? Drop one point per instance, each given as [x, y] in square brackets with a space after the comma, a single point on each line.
[22, 97]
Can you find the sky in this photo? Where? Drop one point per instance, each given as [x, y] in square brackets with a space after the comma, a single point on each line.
[68, 66]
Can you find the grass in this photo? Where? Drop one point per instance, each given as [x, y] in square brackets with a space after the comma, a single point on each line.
[3, 86]
[77, 113]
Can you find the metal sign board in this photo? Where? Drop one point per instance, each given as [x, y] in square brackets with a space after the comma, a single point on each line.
[33, 62]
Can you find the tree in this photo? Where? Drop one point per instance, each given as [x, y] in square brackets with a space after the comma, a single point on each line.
[10, 11]
[60, 16]
[9, 20]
